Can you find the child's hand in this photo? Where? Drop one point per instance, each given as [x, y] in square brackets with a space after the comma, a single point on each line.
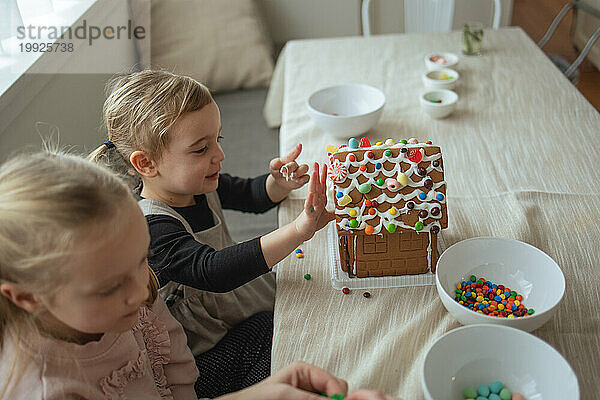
[286, 173]
[314, 216]
[301, 381]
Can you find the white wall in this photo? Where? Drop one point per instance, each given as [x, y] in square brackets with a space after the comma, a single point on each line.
[298, 19]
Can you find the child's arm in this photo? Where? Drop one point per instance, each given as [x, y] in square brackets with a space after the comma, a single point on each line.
[278, 186]
[281, 242]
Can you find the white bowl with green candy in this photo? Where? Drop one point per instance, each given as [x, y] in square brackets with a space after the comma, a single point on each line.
[494, 362]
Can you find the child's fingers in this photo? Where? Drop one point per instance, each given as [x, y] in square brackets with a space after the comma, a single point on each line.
[301, 170]
[308, 203]
[292, 155]
[314, 179]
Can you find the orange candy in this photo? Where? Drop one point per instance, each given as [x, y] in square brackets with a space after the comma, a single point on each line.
[369, 230]
[362, 167]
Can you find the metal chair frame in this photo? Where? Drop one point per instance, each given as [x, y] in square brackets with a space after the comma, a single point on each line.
[575, 5]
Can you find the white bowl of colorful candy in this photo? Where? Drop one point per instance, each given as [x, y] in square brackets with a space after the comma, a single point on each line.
[440, 60]
[466, 363]
[444, 78]
[500, 281]
[346, 110]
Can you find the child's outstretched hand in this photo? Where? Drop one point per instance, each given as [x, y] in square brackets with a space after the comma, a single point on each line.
[314, 216]
[286, 174]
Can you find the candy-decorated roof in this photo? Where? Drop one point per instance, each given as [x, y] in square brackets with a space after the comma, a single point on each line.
[388, 186]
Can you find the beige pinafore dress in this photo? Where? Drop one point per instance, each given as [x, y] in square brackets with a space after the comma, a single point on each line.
[205, 316]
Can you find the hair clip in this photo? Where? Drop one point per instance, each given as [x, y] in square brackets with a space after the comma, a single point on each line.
[109, 144]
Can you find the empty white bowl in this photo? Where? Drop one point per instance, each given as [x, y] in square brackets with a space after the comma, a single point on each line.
[346, 110]
[514, 264]
[440, 60]
[444, 78]
[438, 103]
[482, 354]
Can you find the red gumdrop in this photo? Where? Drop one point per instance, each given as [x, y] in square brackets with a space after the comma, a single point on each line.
[364, 142]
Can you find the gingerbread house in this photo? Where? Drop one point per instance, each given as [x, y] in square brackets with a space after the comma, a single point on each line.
[390, 205]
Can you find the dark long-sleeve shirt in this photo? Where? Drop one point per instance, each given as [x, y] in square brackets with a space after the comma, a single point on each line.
[177, 256]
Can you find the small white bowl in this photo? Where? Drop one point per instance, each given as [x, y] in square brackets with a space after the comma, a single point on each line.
[481, 354]
[440, 60]
[346, 110]
[444, 78]
[514, 264]
[438, 103]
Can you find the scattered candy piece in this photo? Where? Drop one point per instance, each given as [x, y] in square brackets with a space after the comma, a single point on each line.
[307, 276]
[435, 101]
[299, 255]
[298, 250]
[367, 294]
[345, 290]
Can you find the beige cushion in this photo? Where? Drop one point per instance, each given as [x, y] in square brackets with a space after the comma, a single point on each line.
[222, 43]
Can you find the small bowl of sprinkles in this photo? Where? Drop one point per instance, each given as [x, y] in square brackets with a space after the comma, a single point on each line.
[496, 363]
[500, 281]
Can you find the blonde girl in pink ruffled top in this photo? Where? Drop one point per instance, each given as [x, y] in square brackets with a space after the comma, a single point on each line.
[79, 313]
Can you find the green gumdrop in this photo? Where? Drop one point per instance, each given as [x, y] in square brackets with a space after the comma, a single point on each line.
[496, 387]
[353, 223]
[469, 392]
[419, 226]
[380, 181]
[364, 188]
[403, 141]
[391, 228]
[505, 394]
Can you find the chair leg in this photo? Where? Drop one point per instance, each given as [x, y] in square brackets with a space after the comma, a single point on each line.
[555, 23]
[583, 53]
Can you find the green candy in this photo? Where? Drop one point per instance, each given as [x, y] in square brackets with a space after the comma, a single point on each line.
[364, 188]
[392, 228]
[419, 226]
[469, 392]
[513, 293]
[473, 278]
[353, 223]
[496, 387]
[380, 182]
[387, 153]
[505, 394]
[530, 311]
[307, 276]
[403, 141]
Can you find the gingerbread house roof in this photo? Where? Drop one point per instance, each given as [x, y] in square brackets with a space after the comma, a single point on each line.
[388, 186]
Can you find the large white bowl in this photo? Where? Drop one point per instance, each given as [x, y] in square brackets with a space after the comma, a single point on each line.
[481, 354]
[346, 110]
[514, 264]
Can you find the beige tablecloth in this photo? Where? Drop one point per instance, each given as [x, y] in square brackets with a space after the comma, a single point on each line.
[521, 156]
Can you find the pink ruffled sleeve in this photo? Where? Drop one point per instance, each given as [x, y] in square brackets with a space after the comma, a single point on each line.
[181, 372]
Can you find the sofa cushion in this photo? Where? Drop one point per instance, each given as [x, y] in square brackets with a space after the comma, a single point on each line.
[222, 43]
